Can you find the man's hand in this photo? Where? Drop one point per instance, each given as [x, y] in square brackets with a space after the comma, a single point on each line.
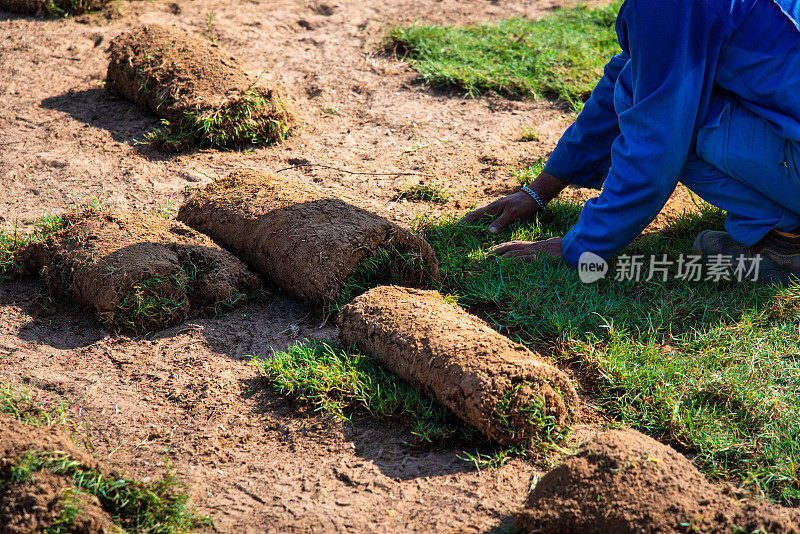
[520, 205]
[528, 250]
[514, 207]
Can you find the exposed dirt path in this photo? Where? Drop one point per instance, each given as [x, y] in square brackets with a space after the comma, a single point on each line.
[187, 396]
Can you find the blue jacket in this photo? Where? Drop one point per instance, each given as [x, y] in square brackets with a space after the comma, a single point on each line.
[681, 59]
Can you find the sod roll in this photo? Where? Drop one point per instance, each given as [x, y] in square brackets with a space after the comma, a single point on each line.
[139, 272]
[507, 392]
[206, 94]
[300, 237]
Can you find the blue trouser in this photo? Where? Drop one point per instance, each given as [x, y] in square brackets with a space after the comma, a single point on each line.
[744, 167]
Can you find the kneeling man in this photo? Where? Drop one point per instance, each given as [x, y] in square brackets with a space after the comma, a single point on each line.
[705, 92]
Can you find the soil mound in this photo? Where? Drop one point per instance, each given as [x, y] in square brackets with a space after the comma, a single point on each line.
[33, 505]
[52, 7]
[299, 237]
[203, 92]
[625, 482]
[140, 272]
[507, 392]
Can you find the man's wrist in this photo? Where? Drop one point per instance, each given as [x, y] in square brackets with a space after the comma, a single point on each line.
[535, 196]
[547, 187]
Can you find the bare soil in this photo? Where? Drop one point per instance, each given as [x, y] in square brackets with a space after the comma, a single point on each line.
[31, 507]
[297, 235]
[187, 396]
[625, 482]
[459, 360]
[118, 262]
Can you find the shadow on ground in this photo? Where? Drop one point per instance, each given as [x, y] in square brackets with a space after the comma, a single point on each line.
[44, 320]
[126, 122]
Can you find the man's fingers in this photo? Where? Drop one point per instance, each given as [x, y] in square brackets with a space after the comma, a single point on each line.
[499, 224]
[502, 248]
[523, 254]
[480, 213]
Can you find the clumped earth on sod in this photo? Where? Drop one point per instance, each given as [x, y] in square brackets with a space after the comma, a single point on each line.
[318, 248]
[624, 481]
[139, 272]
[204, 94]
[504, 390]
[48, 484]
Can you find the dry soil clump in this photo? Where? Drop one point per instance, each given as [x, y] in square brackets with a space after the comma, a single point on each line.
[507, 392]
[625, 482]
[301, 238]
[140, 272]
[205, 94]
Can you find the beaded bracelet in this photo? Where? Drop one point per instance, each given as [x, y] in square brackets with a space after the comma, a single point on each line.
[532, 193]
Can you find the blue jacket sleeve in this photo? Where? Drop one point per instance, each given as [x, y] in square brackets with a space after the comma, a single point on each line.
[583, 154]
[661, 96]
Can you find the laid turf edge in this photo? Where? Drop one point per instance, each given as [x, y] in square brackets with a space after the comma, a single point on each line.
[711, 368]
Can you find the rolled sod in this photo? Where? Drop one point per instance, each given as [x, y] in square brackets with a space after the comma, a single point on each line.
[205, 95]
[624, 481]
[301, 238]
[52, 7]
[139, 272]
[504, 390]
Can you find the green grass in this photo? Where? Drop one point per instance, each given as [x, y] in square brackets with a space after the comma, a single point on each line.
[526, 175]
[17, 403]
[159, 507]
[529, 135]
[255, 119]
[386, 266]
[346, 383]
[424, 193]
[560, 56]
[712, 368]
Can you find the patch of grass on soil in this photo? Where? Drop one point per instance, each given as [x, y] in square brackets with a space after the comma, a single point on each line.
[561, 55]
[712, 368]
[424, 193]
[17, 403]
[346, 383]
[63, 8]
[527, 174]
[146, 306]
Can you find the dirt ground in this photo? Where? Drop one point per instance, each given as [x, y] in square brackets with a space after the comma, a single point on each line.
[187, 396]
